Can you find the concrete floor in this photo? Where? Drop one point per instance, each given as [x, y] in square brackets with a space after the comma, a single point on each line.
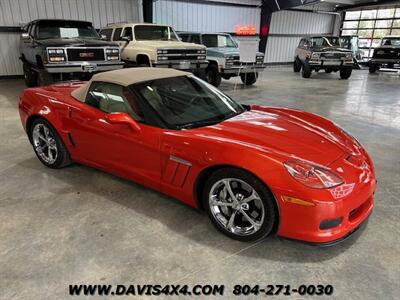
[79, 225]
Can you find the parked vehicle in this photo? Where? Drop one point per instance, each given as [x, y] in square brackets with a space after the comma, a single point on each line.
[255, 169]
[223, 57]
[54, 50]
[151, 45]
[386, 55]
[322, 53]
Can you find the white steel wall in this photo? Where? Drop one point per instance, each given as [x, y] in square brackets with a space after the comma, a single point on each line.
[291, 25]
[18, 12]
[186, 15]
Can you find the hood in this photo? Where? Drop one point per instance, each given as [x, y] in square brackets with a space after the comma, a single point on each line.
[330, 49]
[169, 45]
[225, 51]
[75, 42]
[278, 131]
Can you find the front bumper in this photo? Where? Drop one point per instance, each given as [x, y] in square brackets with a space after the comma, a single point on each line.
[83, 67]
[182, 65]
[243, 69]
[321, 63]
[385, 61]
[352, 202]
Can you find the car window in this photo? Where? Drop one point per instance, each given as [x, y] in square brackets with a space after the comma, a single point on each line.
[127, 33]
[117, 34]
[184, 37]
[107, 32]
[109, 98]
[195, 39]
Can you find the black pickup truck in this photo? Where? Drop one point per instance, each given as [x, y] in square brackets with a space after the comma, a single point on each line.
[387, 54]
[53, 50]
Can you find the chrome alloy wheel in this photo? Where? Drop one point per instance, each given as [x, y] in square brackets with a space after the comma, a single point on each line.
[44, 143]
[236, 206]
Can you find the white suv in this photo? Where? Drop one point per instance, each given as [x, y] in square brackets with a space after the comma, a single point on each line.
[154, 45]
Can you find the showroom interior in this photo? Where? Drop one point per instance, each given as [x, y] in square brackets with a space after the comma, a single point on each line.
[80, 225]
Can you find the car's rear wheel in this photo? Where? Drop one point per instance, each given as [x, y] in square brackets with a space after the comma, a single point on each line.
[47, 145]
[345, 73]
[306, 70]
[249, 78]
[239, 205]
[373, 68]
[297, 65]
[213, 76]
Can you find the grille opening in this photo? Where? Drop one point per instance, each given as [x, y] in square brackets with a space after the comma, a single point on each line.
[359, 211]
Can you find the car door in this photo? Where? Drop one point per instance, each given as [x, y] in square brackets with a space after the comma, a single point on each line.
[116, 148]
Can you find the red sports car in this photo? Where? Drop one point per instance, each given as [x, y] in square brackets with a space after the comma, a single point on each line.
[256, 170]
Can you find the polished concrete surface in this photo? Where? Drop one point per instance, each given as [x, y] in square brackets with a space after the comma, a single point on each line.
[80, 225]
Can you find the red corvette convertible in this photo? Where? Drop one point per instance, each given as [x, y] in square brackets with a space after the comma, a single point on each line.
[256, 170]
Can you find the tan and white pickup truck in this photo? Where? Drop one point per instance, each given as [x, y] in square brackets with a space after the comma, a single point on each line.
[153, 45]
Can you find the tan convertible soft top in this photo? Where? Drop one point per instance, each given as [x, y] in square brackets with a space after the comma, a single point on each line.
[127, 77]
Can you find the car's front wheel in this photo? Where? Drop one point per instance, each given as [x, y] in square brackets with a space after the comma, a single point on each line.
[213, 76]
[240, 205]
[297, 65]
[30, 76]
[47, 145]
[249, 78]
[345, 73]
[306, 70]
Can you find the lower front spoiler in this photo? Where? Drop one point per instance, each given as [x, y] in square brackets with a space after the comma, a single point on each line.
[354, 233]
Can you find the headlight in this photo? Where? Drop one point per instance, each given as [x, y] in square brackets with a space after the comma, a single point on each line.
[112, 51]
[349, 56]
[56, 55]
[311, 175]
[260, 58]
[315, 56]
[201, 57]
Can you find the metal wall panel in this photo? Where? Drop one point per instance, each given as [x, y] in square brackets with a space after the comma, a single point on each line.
[291, 25]
[18, 12]
[186, 15]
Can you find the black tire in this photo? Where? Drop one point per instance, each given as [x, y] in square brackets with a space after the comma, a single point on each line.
[62, 156]
[306, 70]
[213, 76]
[249, 78]
[345, 73]
[226, 76]
[44, 78]
[30, 76]
[373, 68]
[297, 65]
[270, 212]
[328, 71]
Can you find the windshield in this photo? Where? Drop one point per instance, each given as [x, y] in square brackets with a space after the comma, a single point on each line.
[154, 33]
[218, 40]
[65, 30]
[324, 41]
[391, 42]
[188, 102]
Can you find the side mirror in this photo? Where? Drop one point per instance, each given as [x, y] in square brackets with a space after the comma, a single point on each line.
[103, 36]
[122, 118]
[126, 39]
[25, 36]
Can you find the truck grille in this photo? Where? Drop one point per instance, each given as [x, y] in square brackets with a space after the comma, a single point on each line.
[333, 55]
[387, 53]
[85, 54]
[181, 54]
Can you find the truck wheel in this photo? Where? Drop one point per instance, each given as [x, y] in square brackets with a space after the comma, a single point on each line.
[213, 76]
[345, 73]
[373, 68]
[44, 78]
[297, 65]
[328, 71]
[30, 76]
[306, 70]
[249, 78]
[226, 76]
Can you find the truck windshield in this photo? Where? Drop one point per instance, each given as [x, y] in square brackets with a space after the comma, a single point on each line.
[154, 33]
[65, 30]
[187, 102]
[325, 41]
[218, 40]
[391, 42]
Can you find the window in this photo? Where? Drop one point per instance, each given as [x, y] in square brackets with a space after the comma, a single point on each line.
[184, 37]
[154, 32]
[371, 26]
[56, 29]
[218, 40]
[128, 33]
[107, 33]
[109, 98]
[117, 34]
[187, 102]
